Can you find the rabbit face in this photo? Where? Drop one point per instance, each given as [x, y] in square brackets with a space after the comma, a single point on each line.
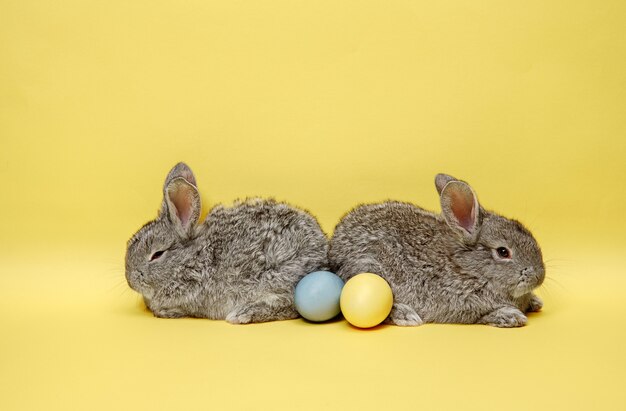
[149, 252]
[513, 257]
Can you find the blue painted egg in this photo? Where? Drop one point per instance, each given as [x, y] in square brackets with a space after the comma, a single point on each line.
[317, 296]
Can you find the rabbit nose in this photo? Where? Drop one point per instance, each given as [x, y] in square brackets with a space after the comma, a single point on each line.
[538, 275]
[133, 278]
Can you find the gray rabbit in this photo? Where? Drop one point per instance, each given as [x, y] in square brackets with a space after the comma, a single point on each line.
[467, 265]
[241, 264]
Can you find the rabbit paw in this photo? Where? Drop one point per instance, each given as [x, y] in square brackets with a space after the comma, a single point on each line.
[535, 303]
[270, 309]
[505, 317]
[168, 313]
[240, 315]
[403, 315]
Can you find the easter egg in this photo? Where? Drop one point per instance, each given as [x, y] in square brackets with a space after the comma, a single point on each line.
[317, 296]
[366, 300]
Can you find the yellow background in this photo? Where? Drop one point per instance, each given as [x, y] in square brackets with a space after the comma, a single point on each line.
[324, 104]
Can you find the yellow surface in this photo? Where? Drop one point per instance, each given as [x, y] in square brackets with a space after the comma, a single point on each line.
[366, 300]
[325, 104]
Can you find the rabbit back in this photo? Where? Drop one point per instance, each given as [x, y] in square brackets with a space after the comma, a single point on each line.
[258, 250]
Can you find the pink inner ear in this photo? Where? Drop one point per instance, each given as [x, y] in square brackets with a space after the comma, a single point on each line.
[182, 201]
[188, 175]
[463, 209]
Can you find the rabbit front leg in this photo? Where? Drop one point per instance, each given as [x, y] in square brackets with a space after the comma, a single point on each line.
[403, 315]
[164, 312]
[504, 317]
[535, 304]
[268, 308]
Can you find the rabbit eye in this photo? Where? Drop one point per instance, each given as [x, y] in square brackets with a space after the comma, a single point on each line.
[503, 252]
[156, 255]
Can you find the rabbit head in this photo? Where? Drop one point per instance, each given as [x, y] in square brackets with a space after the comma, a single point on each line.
[497, 248]
[159, 248]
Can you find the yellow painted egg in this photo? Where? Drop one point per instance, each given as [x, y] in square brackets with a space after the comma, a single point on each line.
[366, 300]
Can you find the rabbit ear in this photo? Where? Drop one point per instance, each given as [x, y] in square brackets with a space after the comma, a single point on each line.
[441, 180]
[182, 205]
[180, 170]
[460, 208]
